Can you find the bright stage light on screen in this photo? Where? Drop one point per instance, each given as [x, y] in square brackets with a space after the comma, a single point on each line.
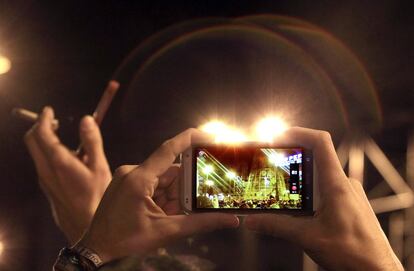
[207, 169]
[223, 133]
[269, 128]
[277, 159]
[230, 175]
[209, 183]
[5, 64]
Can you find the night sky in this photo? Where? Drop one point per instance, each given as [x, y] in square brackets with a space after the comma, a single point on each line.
[64, 52]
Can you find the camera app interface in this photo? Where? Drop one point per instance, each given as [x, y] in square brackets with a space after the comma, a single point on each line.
[248, 178]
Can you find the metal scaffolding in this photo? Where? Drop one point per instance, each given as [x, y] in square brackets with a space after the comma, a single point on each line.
[400, 204]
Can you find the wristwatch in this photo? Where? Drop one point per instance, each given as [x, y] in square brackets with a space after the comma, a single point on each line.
[77, 258]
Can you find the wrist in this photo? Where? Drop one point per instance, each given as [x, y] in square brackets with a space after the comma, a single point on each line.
[380, 261]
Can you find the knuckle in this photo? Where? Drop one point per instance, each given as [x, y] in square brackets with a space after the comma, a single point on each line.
[325, 136]
[168, 145]
[123, 171]
[120, 171]
[191, 131]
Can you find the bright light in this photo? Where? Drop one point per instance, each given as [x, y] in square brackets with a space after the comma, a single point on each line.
[231, 175]
[214, 127]
[5, 64]
[209, 182]
[222, 132]
[1, 248]
[269, 128]
[277, 159]
[207, 169]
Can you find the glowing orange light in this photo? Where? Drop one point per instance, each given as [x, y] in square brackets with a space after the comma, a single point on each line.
[269, 128]
[5, 64]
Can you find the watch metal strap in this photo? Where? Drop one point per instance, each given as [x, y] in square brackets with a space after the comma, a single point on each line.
[88, 254]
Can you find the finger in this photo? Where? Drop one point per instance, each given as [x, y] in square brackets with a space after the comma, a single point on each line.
[168, 178]
[164, 156]
[92, 143]
[167, 189]
[172, 207]
[198, 223]
[281, 226]
[124, 170]
[329, 169]
[43, 168]
[48, 141]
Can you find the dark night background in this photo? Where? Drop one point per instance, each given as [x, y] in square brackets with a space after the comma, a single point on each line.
[64, 52]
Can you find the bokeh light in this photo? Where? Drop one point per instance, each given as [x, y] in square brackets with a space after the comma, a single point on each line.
[5, 64]
[240, 70]
[1, 248]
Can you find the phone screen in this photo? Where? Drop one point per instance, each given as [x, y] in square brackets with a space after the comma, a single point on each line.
[250, 177]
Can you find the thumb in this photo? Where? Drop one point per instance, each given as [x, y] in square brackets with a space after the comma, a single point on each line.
[286, 227]
[197, 223]
[92, 142]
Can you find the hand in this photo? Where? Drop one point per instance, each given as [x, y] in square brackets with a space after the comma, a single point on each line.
[73, 187]
[138, 212]
[344, 233]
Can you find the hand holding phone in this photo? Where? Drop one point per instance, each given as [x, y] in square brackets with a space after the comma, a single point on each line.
[344, 233]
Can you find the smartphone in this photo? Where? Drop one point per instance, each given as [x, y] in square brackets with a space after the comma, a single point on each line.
[248, 178]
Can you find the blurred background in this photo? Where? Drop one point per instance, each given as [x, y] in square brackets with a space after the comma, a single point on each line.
[354, 57]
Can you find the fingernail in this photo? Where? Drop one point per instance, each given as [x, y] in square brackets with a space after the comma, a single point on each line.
[88, 123]
[46, 108]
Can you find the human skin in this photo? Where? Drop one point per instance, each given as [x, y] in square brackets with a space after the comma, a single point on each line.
[74, 186]
[140, 210]
[344, 233]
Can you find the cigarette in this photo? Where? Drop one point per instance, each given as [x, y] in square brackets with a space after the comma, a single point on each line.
[102, 107]
[31, 116]
[99, 113]
[105, 101]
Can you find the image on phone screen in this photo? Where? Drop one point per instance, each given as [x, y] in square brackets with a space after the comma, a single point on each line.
[248, 177]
